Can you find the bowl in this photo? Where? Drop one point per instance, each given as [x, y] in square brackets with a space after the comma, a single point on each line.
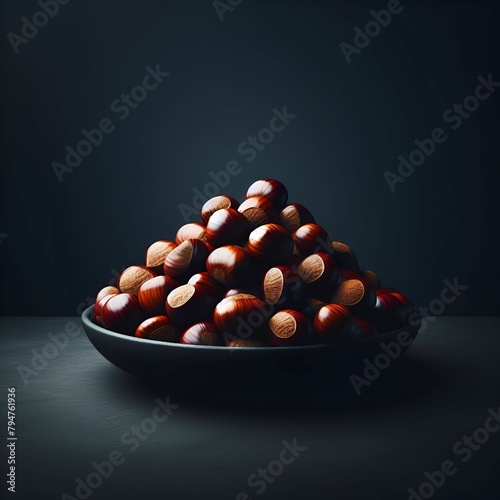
[156, 358]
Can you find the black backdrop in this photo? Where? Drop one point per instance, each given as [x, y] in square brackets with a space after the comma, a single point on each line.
[62, 241]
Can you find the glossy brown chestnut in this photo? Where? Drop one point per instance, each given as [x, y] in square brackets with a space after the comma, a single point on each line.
[122, 313]
[227, 226]
[208, 284]
[107, 290]
[188, 304]
[217, 203]
[355, 294]
[258, 210]
[405, 302]
[243, 316]
[190, 231]
[158, 328]
[203, 333]
[295, 215]
[230, 265]
[320, 274]
[388, 314]
[271, 189]
[282, 287]
[99, 305]
[270, 243]
[156, 254]
[133, 277]
[289, 327]
[311, 238]
[333, 322]
[186, 259]
[153, 294]
[344, 256]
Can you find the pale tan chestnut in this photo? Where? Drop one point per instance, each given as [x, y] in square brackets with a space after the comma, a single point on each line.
[192, 230]
[157, 253]
[133, 277]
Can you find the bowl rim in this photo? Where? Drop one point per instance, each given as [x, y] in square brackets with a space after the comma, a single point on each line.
[376, 339]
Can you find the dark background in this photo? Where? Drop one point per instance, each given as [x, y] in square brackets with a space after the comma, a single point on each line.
[66, 240]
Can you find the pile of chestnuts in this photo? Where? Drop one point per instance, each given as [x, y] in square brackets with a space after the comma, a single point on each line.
[259, 273]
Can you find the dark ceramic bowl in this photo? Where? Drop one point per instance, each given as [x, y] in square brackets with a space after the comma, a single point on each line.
[156, 358]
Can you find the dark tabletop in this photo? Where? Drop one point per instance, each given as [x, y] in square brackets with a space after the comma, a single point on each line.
[76, 408]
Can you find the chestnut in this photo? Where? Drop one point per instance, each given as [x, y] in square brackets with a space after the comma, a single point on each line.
[405, 302]
[122, 313]
[283, 287]
[153, 294]
[270, 243]
[133, 277]
[243, 316]
[355, 294]
[156, 254]
[158, 328]
[99, 305]
[190, 231]
[230, 265]
[186, 259]
[188, 304]
[295, 215]
[204, 281]
[271, 189]
[344, 256]
[311, 238]
[333, 322]
[217, 203]
[227, 226]
[289, 327]
[319, 272]
[258, 210]
[107, 290]
[203, 333]
[388, 314]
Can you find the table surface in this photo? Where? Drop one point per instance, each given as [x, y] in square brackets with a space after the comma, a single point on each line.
[76, 408]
